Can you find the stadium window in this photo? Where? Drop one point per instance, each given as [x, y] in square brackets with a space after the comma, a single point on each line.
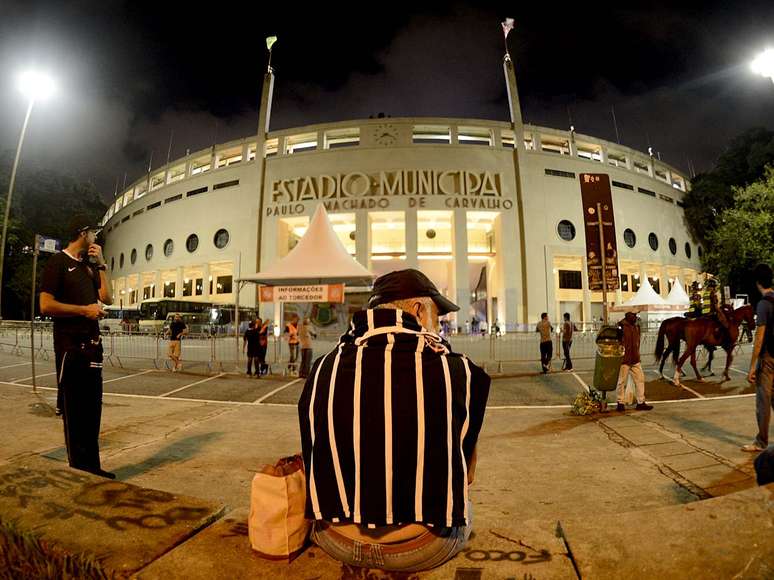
[661, 174]
[630, 238]
[177, 197]
[271, 148]
[225, 184]
[623, 185]
[672, 246]
[230, 156]
[646, 191]
[687, 250]
[340, 138]
[570, 280]
[559, 173]
[624, 282]
[251, 148]
[617, 159]
[201, 165]
[432, 134]
[529, 142]
[641, 167]
[554, 144]
[589, 151]
[566, 230]
[196, 191]
[653, 241]
[157, 181]
[223, 285]
[474, 136]
[507, 139]
[176, 173]
[300, 143]
[678, 182]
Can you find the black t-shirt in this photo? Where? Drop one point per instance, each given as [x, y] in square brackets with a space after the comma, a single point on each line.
[252, 337]
[71, 282]
[175, 329]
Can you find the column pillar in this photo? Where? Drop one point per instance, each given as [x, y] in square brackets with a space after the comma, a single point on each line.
[461, 277]
[179, 283]
[363, 239]
[206, 282]
[664, 282]
[586, 291]
[158, 287]
[412, 260]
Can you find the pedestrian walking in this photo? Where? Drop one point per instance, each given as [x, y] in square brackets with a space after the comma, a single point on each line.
[568, 327]
[250, 346]
[631, 364]
[291, 330]
[762, 361]
[74, 283]
[177, 329]
[546, 345]
[263, 345]
[305, 335]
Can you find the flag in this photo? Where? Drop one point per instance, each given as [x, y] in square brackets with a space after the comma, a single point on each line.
[270, 40]
[507, 26]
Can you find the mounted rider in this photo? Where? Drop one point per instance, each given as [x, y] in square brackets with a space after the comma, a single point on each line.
[696, 303]
[712, 303]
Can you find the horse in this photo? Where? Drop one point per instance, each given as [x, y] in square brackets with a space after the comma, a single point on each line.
[673, 330]
[709, 333]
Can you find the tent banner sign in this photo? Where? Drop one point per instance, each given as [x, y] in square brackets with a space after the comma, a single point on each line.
[597, 202]
[333, 293]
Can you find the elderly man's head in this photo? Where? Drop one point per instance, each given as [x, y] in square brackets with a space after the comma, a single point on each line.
[413, 292]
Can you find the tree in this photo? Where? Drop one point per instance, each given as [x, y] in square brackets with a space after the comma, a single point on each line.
[44, 201]
[744, 236]
[742, 163]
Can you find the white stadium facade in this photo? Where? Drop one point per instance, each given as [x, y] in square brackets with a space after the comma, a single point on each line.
[490, 211]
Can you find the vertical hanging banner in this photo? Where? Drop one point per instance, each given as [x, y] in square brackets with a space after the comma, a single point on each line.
[597, 202]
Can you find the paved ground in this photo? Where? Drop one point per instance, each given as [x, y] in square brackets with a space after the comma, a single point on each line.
[518, 384]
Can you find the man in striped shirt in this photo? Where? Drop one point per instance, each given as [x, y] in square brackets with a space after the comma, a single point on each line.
[389, 422]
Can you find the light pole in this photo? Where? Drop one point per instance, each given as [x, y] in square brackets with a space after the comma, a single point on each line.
[764, 64]
[34, 86]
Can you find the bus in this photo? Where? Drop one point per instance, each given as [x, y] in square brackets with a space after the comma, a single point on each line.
[120, 319]
[155, 312]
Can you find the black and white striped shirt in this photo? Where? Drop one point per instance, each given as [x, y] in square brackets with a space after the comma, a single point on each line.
[389, 420]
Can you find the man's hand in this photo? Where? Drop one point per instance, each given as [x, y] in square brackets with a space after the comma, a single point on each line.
[93, 312]
[752, 376]
[95, 251]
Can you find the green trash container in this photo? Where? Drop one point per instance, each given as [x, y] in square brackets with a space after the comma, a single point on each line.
[610, 353]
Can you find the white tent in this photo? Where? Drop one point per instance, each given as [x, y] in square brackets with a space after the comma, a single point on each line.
[318, 258]
[646, 296]
[677, 295]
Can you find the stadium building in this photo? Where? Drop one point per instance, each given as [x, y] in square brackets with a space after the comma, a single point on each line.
[489, 210]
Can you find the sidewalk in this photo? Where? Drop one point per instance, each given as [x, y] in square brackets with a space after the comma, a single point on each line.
[537, 468]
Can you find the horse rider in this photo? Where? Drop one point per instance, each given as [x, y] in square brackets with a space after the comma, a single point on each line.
[696, 304]
[711, 303]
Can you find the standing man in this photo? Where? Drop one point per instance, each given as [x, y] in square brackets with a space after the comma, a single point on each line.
[631, 364]
[305, 335]
[176, 331]
[251, 347]
[568, 327]
[546, 346]
[762, 361]
[292, 331]
[73, 284]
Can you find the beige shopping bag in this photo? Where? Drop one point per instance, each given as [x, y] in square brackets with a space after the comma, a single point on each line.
[277, 527]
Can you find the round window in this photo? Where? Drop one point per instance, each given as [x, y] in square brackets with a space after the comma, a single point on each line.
[112, 264]
[430, 233]
[148, 252]
[701, 252]
[566, 230]
[672, 246]
[169, 247]
[133, 256]
[630, 238]
[352, 235]
[687, 250]
[192, 243]
[121, 261]
[653, 241]
[221, 239]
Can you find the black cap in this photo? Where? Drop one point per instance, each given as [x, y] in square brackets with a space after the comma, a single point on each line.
[410, 283]
[81, 223]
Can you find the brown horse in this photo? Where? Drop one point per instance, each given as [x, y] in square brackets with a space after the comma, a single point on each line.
[709, 333]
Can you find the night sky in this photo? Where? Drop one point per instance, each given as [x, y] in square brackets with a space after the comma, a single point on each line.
[129, 73]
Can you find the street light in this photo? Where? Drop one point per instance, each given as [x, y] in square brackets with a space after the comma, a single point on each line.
[764, 64]
[35, 86]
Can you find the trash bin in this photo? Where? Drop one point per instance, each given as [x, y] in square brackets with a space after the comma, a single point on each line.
[610, 353]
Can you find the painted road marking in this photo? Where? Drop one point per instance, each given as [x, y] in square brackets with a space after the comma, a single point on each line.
[30, 378]
[581, 381]
[16, 365]
[277, 390]
[192, 385]
[145, 372]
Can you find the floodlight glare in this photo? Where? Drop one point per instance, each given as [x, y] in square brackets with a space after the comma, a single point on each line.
[35, 86]
[764, 64]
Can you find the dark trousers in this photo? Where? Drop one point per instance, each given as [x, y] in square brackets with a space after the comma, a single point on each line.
[306, 362]
[80, 382]
[546, 352]
[58, 354]
[293, 353]
[764, 385]
[252, 359]
[567, 360]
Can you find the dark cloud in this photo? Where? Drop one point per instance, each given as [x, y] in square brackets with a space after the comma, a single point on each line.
[131, 73]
